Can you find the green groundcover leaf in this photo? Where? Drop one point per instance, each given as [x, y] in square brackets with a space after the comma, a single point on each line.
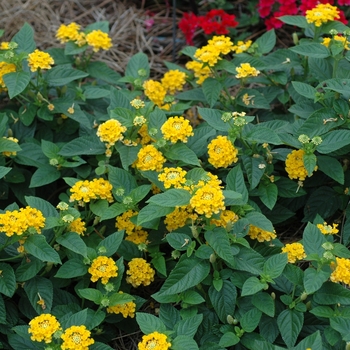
[171, 198]
[16, 82]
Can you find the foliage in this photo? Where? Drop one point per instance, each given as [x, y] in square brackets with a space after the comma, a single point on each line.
[120, 214]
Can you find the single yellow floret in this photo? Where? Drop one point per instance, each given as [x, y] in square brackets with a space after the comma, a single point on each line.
[322, 13]
[154, 341]
[295, 252]
[260, 235]
[242, 46]
[221, 152]
[245, 70]
[43, 327]
[99, 40]
[103, 267]
[39, 60]
[177, 129]
[76, 338]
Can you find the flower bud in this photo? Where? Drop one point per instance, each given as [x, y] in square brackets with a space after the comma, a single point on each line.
[303, 296]
[212, 258]
[142, 72]
[105, 302]
[230, 319]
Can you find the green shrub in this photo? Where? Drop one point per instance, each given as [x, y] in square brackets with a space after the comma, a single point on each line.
[121, 214]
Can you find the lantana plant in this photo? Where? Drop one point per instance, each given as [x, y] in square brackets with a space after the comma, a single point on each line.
[205, 209]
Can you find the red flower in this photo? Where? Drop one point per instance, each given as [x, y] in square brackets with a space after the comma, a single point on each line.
[217, 21]
[188, 25]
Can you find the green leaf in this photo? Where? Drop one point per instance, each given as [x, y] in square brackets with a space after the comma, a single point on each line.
[100, 346]
[127, 154]
[178, 241]
[342, 325]
[331, 167]
[92, 92]
[2, 311]
[169, 315]
[218, 240]
[309, 163]
[3, 171]
[39, 286]
[191, 297]
[72, 268]
[268, 194]
[223, 301]
[139, 193]
[19, 342]
[72, 48]
[249, 260]
[63, 75]
[121, 178]
[252, 286]
[44, 175]
[149, 323]
[9, 145]
[189, 326]
[275, 265]
[309, 49]
[332, 293]
[77, 319]
[304, 89]
[198, 143]
[100, 70]
[120, 298]
[333, 141]
[338, 85]
[322, 311]
[181, 152]
[16, 82]
[211, 89]
[314, 279]
[250, 320]
[25, 39]
[182, 342]
[265, 303]
[91, 294]
[137, 62]
[260, 134]
[187, 273]
[124, 115]
[259, 220]
[111, 212]
[152, 211]
[313, 240]
[28, 269]
[174, 197]
[229, 339]
[290, 323]
[111, 243]
[7, 280]
[254, 169]
[267, 41]
[41, 204]
[298, 21]
[235, 182]
[213, 118]
[85, 145]
[37, 246]
[73, 242]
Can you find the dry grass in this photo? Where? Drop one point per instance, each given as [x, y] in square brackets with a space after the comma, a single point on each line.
[127, 26]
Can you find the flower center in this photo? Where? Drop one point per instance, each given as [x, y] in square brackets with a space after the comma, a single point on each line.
[102, 268]
[76, 338]
[173, 175]
[45, 324]
[84, 189]
[148, 158]
[177, 126]
[218, 150]
[152, 345]
[207, 196]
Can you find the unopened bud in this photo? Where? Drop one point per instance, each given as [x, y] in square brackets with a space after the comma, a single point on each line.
[303, 296]
[212, 258]
[230, 319]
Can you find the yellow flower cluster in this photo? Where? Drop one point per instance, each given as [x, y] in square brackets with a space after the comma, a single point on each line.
[295, 165]
[145, 137]
[9, 153]
[43, 327]
[98, 40]
[341, 272]
[19, 221]
[210, 53]
[261, 235]
[154, 341]
[245, 70]
[76, 338]
[328, 229]
[322, 13]
[138, 237]
[137, 103]
[242, 46]
[5, 68]
[208, 200]
[85, 191]
[201, 71]
[179, 217]
[149, 158]
[295, 252]
[4, 45]
[172, 177]
[177, 129]
[326, 41]
[69, 32]
[39, 60]
[173, 81]
[155, 91]
[104, 268]
[78, 226]
[226, 217]
[221, 152]
[139, 272]
[110, 132]
[127, 309]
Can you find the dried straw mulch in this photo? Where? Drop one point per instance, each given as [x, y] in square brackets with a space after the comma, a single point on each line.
[128, 26]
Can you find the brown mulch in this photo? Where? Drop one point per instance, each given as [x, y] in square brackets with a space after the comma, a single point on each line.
[129, 21]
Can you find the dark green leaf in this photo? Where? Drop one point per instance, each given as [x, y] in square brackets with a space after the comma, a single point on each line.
[149, 323]
[73, 242]
[16, 82]
[290, 323]
[63, 74]
[7, 280]
[39, 288]
[37, 246]
[72, 268]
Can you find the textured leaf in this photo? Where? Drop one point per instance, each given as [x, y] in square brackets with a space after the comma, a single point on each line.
[211, 89]
[331, 167]
[251, 286]
[171, 198]
[189, 326]
[250, 320]
[275, 265]
[332, 293]
[152, 211]
[25, 39]
[313, 240]
[44, 175]
[16, 82]
[187, 273]
[316, 50]
[268, 194]
[304, 89]
[37, 246]
[63, 75]
[41, 204]
[7, 280]
[111, 243]
[84, 145]
[333, 141]
[267, 41]
[100, 70]
[28, 269]
[72, 268]
[137, 62]
[314, 279]
[259, 220]
[73, 242]
[149, 323]
[255, 168]
[39, 286]
[169, 315]
[182, 342]
[213, 118]
[181, 152]
[298, 21]
[265, 303]
[235, 182]
[290, 323]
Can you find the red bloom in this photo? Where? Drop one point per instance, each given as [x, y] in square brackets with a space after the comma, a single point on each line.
[265, 7]
[272, 23]
[217, 21]
[188, 25]
[343, 2]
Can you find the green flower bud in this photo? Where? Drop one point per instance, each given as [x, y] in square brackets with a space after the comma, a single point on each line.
[212, 258]
[53, 161]
[328, 255]
[226, 116]
[327, 246]
[295, 38]
[230, 319]
[119, 191]
[333, 32]
[109, 287]
[142, 72]
[175, 254]
[303, 138]
[127, 200]
[68, 218]
[317, 140]
[62, 206]
[102, 250]
[138, 82]
[303, 296]
[152, 131]
[105, 302]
